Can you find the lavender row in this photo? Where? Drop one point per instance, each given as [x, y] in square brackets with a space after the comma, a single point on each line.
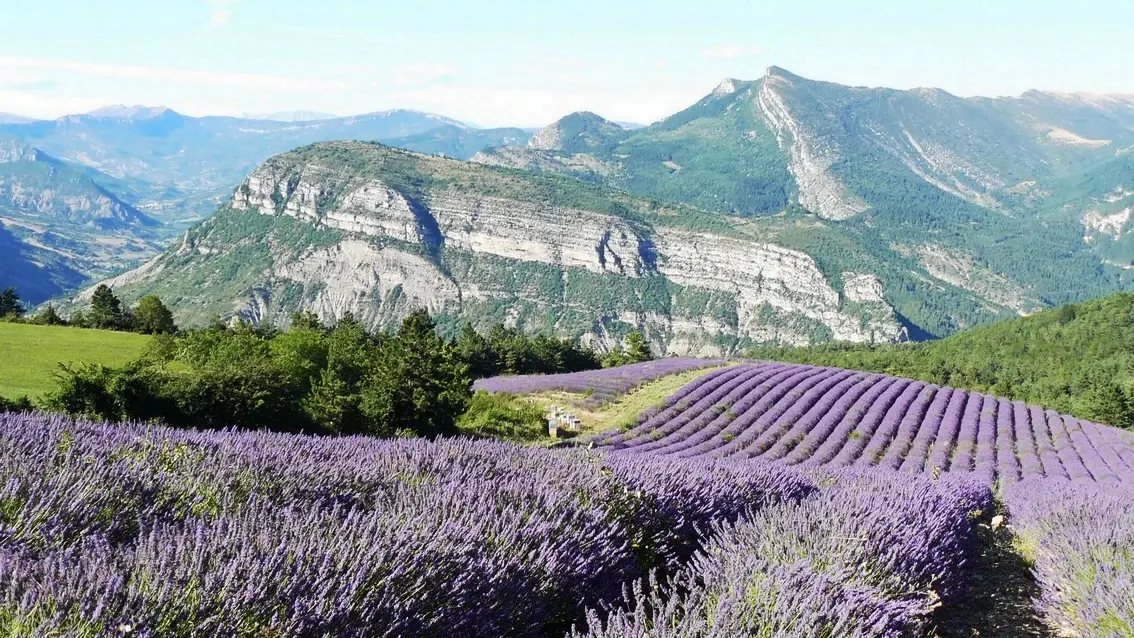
[1079, 538]
[825, 417]
[869, 556]
[600, 386]
[179, 533]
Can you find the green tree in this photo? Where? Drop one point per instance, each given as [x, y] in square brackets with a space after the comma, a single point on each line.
[419, 385]
[306, 320]
[106, 310]
[48, 317]
[152, 317]
[10, 305]
[637, 348]
[474, 349]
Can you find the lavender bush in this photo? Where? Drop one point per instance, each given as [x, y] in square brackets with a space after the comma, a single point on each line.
[825, 417]
[1080, 538]
[600, 386]
[181, 533]
[870, 555]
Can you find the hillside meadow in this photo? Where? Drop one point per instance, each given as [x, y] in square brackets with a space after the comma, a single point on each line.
[30, 355]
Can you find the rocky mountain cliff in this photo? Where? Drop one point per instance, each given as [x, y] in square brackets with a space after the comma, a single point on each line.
[834, 149]
[913, 209]
[988, 195]
[59, 222]
[363, 228]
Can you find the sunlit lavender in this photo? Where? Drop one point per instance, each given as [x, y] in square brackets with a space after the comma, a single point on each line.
[599, 386]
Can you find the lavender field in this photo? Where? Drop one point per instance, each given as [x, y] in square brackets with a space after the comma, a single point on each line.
[598, 386]
[1067, 484]
[760, 500]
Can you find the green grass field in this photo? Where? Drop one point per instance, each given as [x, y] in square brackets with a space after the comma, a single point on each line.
[30, 355]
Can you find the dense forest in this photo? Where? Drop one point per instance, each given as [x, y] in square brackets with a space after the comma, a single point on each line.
[1077, 359]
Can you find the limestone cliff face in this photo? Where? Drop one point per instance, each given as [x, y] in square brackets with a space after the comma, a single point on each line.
[487, 254]
[812, 154]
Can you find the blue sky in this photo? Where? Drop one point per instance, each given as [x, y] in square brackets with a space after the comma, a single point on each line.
[527, 63]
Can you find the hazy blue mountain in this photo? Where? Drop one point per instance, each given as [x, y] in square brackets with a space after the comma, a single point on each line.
[12, 118]
[37, 273]
[291, 116]
[459, 142]
[61, 224]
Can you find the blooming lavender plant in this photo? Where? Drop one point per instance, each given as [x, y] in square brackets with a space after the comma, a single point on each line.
[1079, 537]
[182, 533]
[870, 555]
[820, 417]
[600, 386]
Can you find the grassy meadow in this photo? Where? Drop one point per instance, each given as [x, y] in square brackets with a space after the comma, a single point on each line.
[30, 355]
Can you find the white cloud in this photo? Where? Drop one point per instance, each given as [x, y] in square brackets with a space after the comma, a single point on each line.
[178, 76]
[420, 74]
[220, 13]
[730, 51]
[47, 106]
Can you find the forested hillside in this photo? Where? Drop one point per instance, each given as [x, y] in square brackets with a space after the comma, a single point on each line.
[1077, 359]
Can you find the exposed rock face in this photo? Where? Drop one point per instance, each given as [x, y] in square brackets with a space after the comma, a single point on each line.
[759, 275]
[811, 155]
[354, 271]
[554, 235]
[467, 254]
[959, 270]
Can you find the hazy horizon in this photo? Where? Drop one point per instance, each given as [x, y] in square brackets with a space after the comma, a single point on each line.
[506, 63]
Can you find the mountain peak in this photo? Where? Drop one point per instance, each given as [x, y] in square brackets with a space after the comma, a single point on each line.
[17, 151]
[135, 112]
[728, 86]
[779, 71]
[573, 132]
[12, 118]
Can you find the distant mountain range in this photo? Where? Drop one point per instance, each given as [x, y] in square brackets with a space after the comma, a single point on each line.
[291, 116]
[905, 212]
[177, 169]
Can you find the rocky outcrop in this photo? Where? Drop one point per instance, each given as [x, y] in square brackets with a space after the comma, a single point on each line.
[812, 155]
[499, 253]
[773, 294]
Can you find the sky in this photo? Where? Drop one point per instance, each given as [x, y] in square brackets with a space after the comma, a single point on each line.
[527, 63]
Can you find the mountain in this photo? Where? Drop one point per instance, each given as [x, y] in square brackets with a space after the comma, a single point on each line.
[1075, 359]
[459, 142]
[962, 210]
[38, 273]
[198, 155]
[364, 228]
[123, 112]
[979, 192]
[177, 169]
[12, 118]
[291, 116]
[60, 223]
[840, 151]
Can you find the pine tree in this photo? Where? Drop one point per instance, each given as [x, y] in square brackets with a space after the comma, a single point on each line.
[419, 385]
[106, 310]
[48, 317]
[10, 305]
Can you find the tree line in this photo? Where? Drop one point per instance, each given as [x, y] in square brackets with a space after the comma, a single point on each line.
[312, 377]
[106, 312]
[1076, 359]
